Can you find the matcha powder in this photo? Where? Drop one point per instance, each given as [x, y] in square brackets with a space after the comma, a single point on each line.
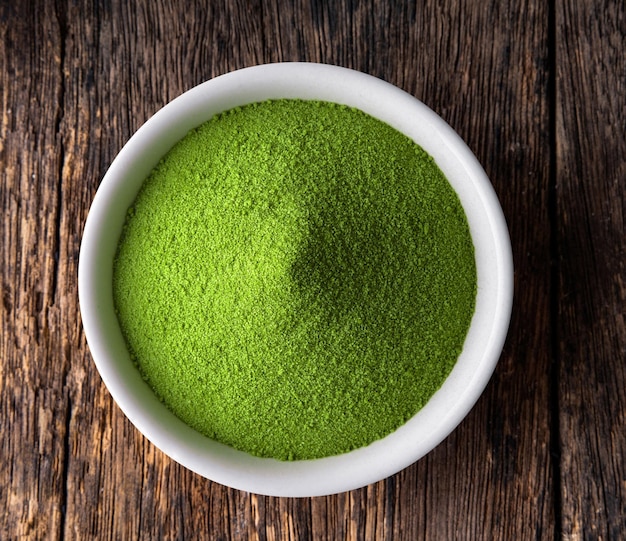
[295, 279]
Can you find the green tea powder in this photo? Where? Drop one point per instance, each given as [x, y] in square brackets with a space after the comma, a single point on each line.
[295, 279]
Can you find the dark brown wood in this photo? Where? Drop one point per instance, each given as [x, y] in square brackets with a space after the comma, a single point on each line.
[36, 342]
[536, 89]
[591, 229]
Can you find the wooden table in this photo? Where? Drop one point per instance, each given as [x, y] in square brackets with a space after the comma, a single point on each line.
[538, 91]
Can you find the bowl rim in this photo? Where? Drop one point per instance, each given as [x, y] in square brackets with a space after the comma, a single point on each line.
[444, 411]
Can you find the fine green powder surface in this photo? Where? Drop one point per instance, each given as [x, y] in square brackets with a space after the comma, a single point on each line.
[295, 279]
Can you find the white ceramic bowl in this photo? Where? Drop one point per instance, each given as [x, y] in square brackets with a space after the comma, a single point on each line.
[446, 408]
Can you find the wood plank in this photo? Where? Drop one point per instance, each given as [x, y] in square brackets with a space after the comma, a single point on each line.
[35, 342]
[591, 210]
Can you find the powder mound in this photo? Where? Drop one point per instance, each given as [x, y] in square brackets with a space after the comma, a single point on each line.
[295, 279]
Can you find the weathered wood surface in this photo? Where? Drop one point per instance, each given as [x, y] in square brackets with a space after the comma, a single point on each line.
[590, 237]
[536, 89]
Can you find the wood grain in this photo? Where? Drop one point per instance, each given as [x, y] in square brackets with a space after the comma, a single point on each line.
[537, 91]
[591, 229]
[33, 392]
